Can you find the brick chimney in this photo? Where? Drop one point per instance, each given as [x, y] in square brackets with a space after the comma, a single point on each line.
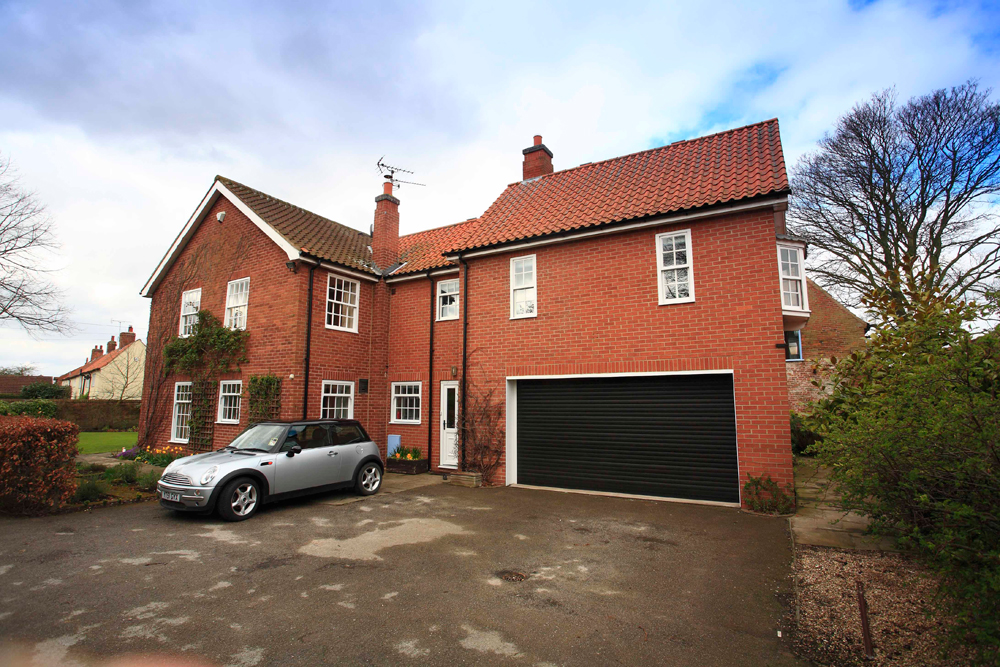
[111, 345]
[385, 233]
[97, 352]
[126, 337]
[537, 160]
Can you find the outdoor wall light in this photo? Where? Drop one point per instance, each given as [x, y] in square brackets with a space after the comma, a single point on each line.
[291, 265]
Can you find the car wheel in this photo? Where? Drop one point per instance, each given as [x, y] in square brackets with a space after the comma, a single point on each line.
[239, 499]
[369, 479]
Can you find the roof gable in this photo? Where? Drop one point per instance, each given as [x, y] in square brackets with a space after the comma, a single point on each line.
[97, 364]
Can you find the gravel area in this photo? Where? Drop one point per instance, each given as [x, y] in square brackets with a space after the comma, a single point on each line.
[899, 592]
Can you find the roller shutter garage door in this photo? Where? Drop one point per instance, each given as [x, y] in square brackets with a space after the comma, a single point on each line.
[671, 436]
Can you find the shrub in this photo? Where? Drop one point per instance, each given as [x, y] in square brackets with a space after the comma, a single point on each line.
[123, 473]
[45, 390]
[36, 407]
[910, 433]
[407, 453]
[762, 494]
[802, 436]
[89, 490]
[147, 480]
[36, 463]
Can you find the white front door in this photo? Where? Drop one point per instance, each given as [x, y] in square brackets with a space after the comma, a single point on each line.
[449, 424]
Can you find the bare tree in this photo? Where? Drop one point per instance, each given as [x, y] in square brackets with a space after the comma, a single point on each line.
[21, 369]
[905, 196]
[26, 297]
[124, 373]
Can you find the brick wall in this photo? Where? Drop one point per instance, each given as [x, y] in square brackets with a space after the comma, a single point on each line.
[832, 331]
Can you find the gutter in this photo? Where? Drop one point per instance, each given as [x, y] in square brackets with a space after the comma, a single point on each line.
[465, 356]
[430, 374]
[309, 320]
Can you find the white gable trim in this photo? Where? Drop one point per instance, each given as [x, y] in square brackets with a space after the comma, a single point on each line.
[217, 190]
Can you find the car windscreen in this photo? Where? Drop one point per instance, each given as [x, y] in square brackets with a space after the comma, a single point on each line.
[259, 436]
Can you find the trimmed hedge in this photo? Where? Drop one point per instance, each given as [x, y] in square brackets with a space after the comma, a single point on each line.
[37, 464]
[45, 390]
[35, 407]
[100, 415]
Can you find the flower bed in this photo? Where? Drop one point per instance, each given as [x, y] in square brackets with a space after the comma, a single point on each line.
[408, 461]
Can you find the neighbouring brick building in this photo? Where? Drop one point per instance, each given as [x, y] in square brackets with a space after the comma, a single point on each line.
[832, 332]
[627, 315]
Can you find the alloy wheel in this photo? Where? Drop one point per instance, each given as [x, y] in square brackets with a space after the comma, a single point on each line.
[371, 478]
[244, 499]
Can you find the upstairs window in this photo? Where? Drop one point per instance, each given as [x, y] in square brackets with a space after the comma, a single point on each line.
[405, 403]
[230, 393]
[342, 304]
[793, 289]
[673, 261]
[447, 296]
[793, 346]
[338, 400]
[522, 287]
[190, 305]
[237, 297]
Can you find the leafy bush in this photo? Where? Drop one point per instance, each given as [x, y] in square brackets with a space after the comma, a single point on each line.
[911, 432]
[89, 490]
[36, 463]
[407, 453]
[90, 468]
[762, 494]
[45, 390]
[263, 398]
[123, 473]
[147, 480]
[36, 407]
[802, 436]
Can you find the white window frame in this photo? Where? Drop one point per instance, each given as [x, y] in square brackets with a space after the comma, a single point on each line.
[441, 293]
[331, 277]
[533, 285]
[392, 402]
[323, 396]
[660, 268]
[173, 420]
[185, 314]
[801, 279]
[219, 419]
[231, 307]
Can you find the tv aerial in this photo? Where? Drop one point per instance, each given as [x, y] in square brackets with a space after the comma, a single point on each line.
[389, 173]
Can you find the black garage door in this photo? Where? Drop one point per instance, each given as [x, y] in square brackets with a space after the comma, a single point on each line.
[672, 436]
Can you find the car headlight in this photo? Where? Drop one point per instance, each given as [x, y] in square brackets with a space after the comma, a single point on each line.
[209, 475]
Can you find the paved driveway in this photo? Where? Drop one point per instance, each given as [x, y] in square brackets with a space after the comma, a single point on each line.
[411, 578]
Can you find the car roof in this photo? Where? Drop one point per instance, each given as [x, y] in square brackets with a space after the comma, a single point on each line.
[310, 421]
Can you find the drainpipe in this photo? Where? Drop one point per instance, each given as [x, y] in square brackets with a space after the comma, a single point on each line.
[430, 375]
[309, 329]
[465, 348]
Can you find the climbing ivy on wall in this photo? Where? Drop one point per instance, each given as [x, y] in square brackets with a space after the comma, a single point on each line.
[264, 398]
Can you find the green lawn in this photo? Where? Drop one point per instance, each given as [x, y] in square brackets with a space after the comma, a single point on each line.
[100, 442]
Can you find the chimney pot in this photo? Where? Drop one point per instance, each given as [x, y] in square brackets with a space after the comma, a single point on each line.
[538, 140]
[387, 188]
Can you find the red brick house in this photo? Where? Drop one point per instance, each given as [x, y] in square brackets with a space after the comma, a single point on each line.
[832, 332]
[627, 314]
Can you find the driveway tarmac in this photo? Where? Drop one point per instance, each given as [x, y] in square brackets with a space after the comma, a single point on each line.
[435, 575]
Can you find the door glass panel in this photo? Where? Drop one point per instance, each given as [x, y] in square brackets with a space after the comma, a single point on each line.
[314, 436]
[348, 434]
[450, 407]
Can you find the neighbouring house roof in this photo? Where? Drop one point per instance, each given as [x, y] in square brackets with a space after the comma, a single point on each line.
[305, 230]
[96, 364]
[726, 167]
[11, 384]
[423, 251]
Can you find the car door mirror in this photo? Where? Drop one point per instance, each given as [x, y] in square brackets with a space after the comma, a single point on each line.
[296, 449]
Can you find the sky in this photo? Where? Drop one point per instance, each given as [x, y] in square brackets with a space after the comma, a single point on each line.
[118, 115]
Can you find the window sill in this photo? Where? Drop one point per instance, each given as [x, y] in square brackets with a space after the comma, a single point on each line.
[446, 319]
[177, 442]
[228, 421]
[523, 317]
[416, 423]
[672, 302]
[794, 361]
[332, 328]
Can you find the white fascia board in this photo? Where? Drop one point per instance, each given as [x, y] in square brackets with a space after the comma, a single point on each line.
[655, 222]
[217, 190]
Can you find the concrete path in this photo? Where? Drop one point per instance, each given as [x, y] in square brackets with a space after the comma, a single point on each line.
[820, 520]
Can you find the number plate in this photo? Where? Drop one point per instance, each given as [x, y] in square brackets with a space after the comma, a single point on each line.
[167, 495]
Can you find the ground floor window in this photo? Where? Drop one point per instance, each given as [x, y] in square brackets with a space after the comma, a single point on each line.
[405, 403]
[182, 412]
[338, 400]
[793, 346]
[230, 392]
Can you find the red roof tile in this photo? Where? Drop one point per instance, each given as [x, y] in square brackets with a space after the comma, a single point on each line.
[423, 250]
[94, 365]
[724, 167]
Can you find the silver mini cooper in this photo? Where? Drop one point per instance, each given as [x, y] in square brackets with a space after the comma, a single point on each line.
[272, 461]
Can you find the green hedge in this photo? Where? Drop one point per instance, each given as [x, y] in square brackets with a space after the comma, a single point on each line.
[35, 407]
